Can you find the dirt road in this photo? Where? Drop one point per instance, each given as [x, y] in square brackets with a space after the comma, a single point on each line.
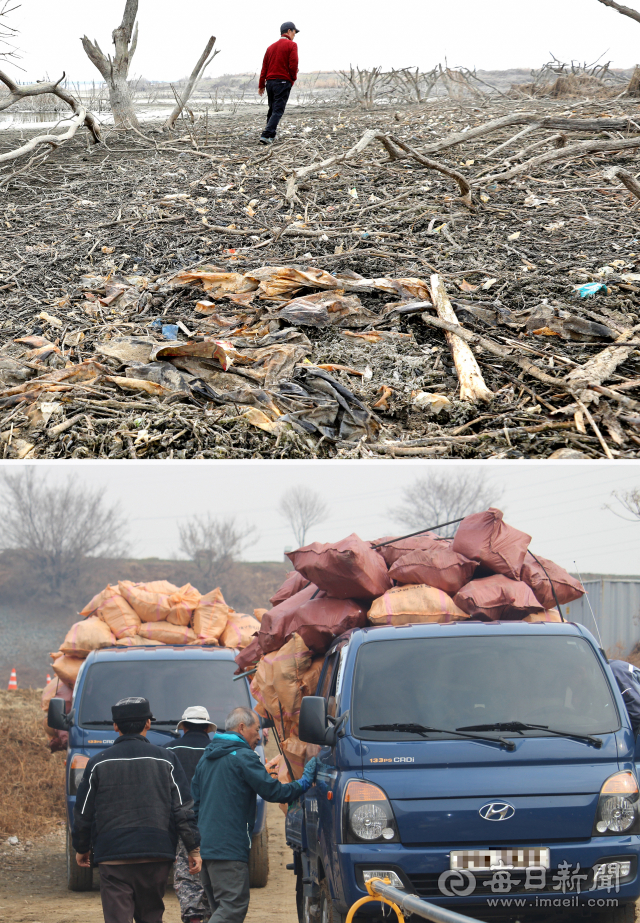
[33, 885]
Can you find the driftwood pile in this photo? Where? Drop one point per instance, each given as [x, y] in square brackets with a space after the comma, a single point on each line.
[439, 281]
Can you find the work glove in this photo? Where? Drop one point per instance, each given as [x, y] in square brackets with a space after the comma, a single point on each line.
[310, 771]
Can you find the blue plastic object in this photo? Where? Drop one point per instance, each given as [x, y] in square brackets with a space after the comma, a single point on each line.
[170, 331]
[591, 288]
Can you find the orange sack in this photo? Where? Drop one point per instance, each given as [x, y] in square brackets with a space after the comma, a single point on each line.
[549, 615]
[497, 597]
[567, 587]
[94, 604]
[136, 641]
[404, 605]
[437, 565]
[239, 630]
[148, 606]
[349, 569]
[86, 636]
[117, 613]
[484, 537]
[167, 633]
[67, 668]
[211, 616]
[183, 603]
[277, 683]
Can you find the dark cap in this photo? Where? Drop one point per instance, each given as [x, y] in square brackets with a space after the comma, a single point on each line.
[132, 709]
[286, 26]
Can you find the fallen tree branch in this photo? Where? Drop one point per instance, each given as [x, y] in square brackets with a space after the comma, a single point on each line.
[625, 178]
[54, 140]
[603, 365]
[472, 384]
[18, 92]
[465, 188]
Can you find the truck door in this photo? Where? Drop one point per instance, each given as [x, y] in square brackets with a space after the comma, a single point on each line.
[316, 796]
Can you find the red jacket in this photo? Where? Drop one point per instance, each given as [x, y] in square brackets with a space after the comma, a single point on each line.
[280, 62]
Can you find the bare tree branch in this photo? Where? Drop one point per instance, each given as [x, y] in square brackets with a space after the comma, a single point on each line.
[214, 545]
[442, 497]
[302, 508]
[203, 62]
[625, 10]
[629, 500]
[57, 527]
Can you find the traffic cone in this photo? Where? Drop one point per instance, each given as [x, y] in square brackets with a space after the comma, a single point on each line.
[13, 681]
[48, 679]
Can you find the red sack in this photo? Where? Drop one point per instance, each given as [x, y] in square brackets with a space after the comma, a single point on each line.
[567, 587]
[284, 609]
[484, 537]
[317, 621]
[349, 569]
[293, 584]
[398, 547]
[248, 657]
[497, 597]
[436, 565]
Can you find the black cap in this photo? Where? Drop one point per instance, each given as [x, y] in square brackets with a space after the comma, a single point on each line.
[132, 709]
[286, 26]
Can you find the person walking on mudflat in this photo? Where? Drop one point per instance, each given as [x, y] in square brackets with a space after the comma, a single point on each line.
[279, 72]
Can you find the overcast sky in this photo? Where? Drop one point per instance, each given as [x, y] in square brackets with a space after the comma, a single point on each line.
[490, 34]
[559, 505]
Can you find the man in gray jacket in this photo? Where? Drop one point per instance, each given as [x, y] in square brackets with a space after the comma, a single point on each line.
[225, 784]
[132, 804]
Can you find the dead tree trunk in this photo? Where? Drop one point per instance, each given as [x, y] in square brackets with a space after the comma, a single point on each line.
[625, 10]
[115, 71]
[203, 62]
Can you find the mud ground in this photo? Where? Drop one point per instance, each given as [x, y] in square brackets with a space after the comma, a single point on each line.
[33, 884]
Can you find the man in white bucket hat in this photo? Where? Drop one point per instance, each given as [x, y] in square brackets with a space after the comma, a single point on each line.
[196, 726]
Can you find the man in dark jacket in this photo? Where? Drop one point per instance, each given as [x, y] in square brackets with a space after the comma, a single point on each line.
[132, 804]
[279, 73]
[196, 727]
[225, 784]
[626, 677]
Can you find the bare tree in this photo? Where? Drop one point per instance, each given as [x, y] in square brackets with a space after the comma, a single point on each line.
[214, 545]
[625, 10]
[182, 99]
[7, 32]
[56, 527]
[303, 508]
[115, 71]
[438, 498]
[629, 500]
[364, 84]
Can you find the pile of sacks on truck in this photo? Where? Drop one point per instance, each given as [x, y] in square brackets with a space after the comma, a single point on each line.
[135, 614]
[485, 572]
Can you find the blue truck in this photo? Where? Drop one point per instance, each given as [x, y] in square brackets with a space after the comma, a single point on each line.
[485, 767]
[172, 678]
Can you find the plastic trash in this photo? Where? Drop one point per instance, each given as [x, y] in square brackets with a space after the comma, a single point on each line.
[591, 288]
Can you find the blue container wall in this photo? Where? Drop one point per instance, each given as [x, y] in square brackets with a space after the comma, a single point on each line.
[616, 608]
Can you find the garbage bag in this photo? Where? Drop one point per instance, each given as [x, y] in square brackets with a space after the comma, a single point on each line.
[497, 597]
[118, 614]
[398, 547]
[317, 621]
[167, 633]
[349, 569]
[67, 668]
[86, 636]
[239, 630]
[183, 604]
[277, 684]
[567, 587]
[320, 403]
[286, 608]
[404, 605]
[211, 616]
[294, 582]
[484, 537]
[249, 656]
[438, 566]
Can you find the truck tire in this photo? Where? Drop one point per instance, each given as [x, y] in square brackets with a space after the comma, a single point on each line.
[78, 879]
[623, 913]
[259, 859]
[328, 914]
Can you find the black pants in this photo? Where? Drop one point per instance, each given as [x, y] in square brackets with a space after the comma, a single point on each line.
[278, 95]
[133, 891]
[226, 884]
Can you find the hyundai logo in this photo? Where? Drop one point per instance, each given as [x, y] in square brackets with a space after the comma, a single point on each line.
[497, 810]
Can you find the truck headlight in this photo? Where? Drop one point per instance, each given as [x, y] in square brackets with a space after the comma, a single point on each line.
[368, 816]
[617, 810]
[76, 771]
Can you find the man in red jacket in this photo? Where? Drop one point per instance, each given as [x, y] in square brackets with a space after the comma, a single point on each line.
[279, 72]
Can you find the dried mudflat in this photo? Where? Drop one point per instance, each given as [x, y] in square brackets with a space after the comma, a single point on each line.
[305, 329]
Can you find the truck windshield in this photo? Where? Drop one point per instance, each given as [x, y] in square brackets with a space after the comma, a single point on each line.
[169, 685]
[466, 682]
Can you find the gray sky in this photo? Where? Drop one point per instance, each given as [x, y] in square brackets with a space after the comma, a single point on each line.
[493, 34]
[560, 505]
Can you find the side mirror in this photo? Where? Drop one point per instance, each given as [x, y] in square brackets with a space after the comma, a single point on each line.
[315, 727]
[57, 717]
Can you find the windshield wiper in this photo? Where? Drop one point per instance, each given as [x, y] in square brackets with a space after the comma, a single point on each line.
[84, 721]
[421, 729]
[514, 726]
